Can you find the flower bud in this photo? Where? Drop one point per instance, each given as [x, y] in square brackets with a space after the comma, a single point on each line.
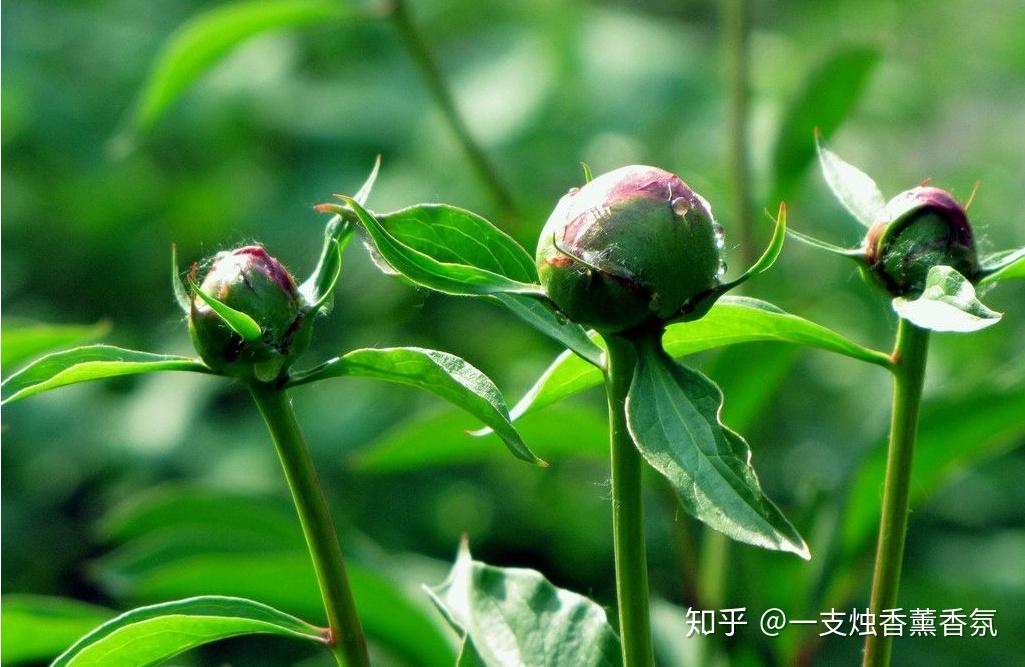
[250, 281]
[633, 246]
[924, 227]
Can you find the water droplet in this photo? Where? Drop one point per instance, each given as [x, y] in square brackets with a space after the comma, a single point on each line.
[720, 235]
[721, 271]
[680, 206]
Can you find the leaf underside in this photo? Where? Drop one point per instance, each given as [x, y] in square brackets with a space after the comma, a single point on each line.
[948, 303]
[852, 187]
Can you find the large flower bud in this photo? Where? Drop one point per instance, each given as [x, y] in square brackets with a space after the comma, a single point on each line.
[924, 227]
[250, 281]
[633, 246]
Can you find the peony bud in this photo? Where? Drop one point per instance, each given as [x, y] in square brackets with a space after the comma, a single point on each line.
[250, 281]
[633, 246]
[924, 227]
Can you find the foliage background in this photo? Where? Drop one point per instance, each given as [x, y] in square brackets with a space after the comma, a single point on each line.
[296, 115]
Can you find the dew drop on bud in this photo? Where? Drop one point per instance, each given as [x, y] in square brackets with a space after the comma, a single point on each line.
[721, 271]
[720, 235]
[680, 206]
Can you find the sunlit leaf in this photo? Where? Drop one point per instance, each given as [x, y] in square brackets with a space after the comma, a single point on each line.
[731, 320]
[828, 96]
[511, 617]
[84, 364]
[947, 304]
[1006, 265]
[241, 323]
[771, 253]
[208, 37]
[150, 635]
[21, 342]
[449, 250]
[854, 253]
[542, 315]
[673, 416]
[852, 187]
[37, 627]
[440, 373]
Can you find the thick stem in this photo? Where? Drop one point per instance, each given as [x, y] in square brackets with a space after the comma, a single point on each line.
[627, 512]
[736, 30]
[909, 358]
[439, 89]
[347, 641]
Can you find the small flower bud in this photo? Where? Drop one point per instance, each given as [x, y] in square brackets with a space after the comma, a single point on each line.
[924, 227]
[250, 281]
[633, 246]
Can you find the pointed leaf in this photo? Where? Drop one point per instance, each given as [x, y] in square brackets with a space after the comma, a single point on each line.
[150, 635]
[771, 254]
[731, 320]
[37, 627]
[181, 295]
[440, 373]
[208, 37]
[510, 617]
[673, 416]
[94, 362]
[828, 96]
[363, 194]
[853, 188]
[947, 304]
[239, 322]
[1006, 265]
[21, 342]
[543, 316]
[853, 253]
[588, 177]
[449, 250]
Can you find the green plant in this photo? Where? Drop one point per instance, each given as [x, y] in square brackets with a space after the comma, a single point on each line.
[250, 321]
[920, 250]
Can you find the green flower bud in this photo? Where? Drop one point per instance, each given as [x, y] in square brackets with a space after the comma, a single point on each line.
[250, 281]
[632, 247]
[924, 227]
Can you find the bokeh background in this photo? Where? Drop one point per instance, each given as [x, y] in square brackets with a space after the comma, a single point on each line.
[135, 491]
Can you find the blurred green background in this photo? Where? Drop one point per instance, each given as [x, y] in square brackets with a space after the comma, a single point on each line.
[127, 492]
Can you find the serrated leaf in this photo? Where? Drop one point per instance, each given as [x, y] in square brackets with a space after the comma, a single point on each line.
[208, 37]
[449, 250]
[93, 362]
[673, 416]
[37, 627]
[150, 635]
[1006, 265]
[440, 373]
[510, 617]
[852, 187]
[21, 342]
[828, 96]
[948, 303]
[543, 316]
[731, 320]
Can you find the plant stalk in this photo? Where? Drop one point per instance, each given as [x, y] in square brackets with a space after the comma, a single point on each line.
[347, 643]
[909, 357]
[627, 512]
[736, 17]
[431, 72]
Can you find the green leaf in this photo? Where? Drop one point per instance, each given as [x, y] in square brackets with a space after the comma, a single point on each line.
[241, 323]
[947, 304]
[732, 320]
[511, 617]
[448, 249]
[181, 295]
[208, 37]
[440, 373]
[1006, 265]
[853, 253]
[852, 187]
[673, 416]
[21, 342]
[543, 316]
[769, 257]
[828, 96]
[37, 627]
[440, 440]
[150, 635]
[84, 364]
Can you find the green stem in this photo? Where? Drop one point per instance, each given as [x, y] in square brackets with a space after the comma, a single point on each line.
[435, 81]
[736, 28]
[347, 641]
[627, 512]
[909, 357]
